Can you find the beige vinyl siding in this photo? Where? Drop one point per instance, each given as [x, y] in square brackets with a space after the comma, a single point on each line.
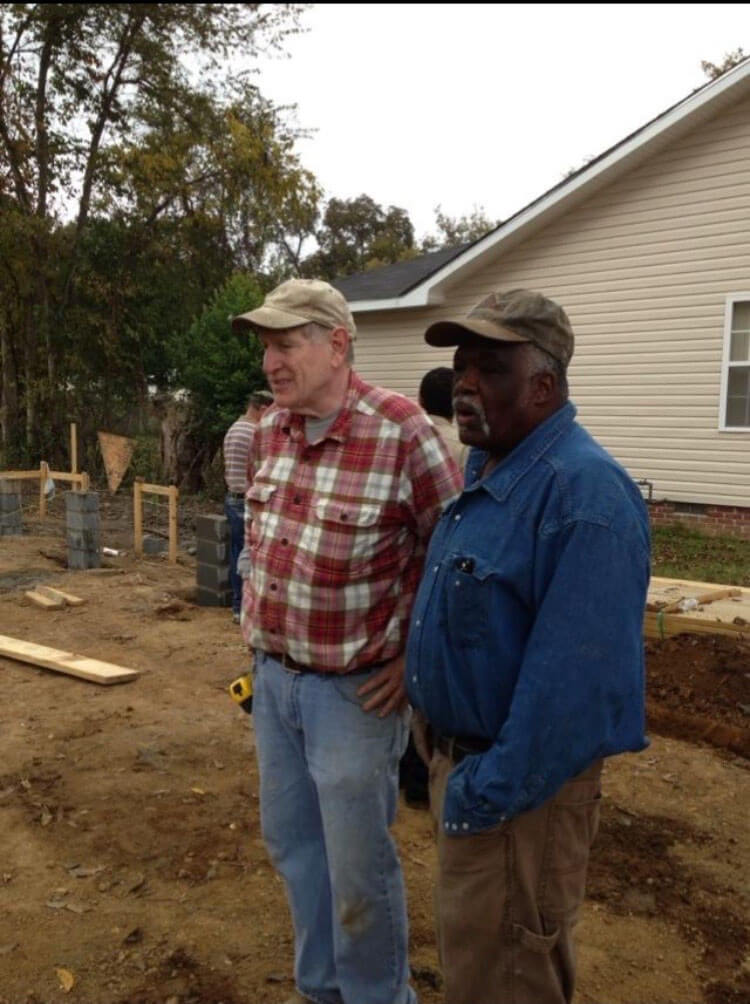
[643, 268]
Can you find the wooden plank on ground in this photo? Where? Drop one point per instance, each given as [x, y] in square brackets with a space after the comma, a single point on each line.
[721, 609]
[58, 594]
[93, 670]
[45, 602]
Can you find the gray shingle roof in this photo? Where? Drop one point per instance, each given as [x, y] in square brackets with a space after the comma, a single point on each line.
[394, 280]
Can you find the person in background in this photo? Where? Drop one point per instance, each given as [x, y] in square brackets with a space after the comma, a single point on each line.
[237, 444]
[436, 397]
[525, 655]
[348, 481]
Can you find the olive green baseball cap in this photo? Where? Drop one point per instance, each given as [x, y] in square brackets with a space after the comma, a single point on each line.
[297, 302]
[519, 315]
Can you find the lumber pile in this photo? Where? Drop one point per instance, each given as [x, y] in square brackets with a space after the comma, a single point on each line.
[677, 606]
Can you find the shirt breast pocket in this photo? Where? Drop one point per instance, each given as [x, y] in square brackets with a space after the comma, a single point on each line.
[260, 497]
[350, 530]
[470, 585]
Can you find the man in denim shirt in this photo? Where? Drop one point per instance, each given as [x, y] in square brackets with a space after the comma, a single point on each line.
[525, 655]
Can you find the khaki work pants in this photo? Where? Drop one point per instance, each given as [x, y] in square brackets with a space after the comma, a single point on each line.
[507, 899]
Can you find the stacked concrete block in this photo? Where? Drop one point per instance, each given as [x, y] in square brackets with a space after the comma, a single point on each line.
[11, 523]
[212, 554]
[82, 529]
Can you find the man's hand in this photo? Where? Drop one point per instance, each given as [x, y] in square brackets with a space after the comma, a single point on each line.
[243, 563]
[387, 689]
[422, 735]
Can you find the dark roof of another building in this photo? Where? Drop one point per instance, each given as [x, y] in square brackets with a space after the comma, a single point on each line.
[394, 280]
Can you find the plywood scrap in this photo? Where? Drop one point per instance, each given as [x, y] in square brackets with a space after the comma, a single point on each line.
[58, 594]
[39, 599]
[93, 670]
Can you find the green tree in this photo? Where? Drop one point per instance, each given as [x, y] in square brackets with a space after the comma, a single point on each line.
[358, 234]
[217, 369]
[456, 230]
[129, 113]
[731, 59]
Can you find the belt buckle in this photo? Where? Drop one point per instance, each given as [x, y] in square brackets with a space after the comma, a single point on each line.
[290, 664]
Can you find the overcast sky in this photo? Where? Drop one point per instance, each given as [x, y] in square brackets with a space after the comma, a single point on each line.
[485, 105]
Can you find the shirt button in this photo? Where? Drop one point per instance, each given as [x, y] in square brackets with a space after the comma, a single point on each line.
[274, 587]
[447, 826]
[285, 542]
[454, 826]
[297, 500]
[414, 678]
[418, 623]
[435, 569]
[457, 517]
[464, 826]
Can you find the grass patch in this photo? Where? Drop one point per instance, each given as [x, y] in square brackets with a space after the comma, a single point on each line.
[680, 552]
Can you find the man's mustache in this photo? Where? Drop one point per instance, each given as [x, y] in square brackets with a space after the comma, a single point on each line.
[467, 404]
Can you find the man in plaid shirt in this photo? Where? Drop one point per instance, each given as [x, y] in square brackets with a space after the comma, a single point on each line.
[347, 483]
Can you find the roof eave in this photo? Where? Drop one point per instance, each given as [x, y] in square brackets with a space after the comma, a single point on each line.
[431, 291]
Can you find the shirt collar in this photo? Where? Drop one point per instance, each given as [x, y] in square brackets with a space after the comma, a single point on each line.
[343, 422]
[500, 482]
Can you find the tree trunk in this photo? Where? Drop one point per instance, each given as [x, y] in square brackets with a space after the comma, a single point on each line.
[181, 454]
[8, 393]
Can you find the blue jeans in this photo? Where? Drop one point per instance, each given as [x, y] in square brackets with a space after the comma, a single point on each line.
[328, 795]
[234, 510]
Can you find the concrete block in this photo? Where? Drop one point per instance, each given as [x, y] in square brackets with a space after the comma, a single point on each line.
[81, 521]
[154, 545]
[212, 528]
[81, 558]
[211, 552]
[11, 524]
[212, 576]
[83, 540]
[213, 597]
[81, 502]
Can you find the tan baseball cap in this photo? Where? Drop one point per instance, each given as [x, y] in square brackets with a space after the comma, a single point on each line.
[519, 315]
[297, 302]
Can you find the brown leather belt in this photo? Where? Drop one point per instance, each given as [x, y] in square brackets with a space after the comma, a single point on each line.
[458, 747]
[291, 664]
[297, 667]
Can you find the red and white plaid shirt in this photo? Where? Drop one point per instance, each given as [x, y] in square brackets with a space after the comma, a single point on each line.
[338, 529]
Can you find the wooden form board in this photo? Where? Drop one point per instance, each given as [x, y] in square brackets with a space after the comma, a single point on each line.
[715, 618]
[81, 666]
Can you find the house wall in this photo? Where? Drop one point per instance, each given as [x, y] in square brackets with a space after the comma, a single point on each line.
[643, 269]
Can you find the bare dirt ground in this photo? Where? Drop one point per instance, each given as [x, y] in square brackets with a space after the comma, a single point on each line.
[131, 865]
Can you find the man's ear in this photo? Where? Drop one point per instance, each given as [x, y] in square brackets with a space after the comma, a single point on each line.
[545, 388]
[340, 344]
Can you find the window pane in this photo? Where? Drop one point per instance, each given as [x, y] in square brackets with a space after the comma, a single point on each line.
[738, 397]
[740, 347]
[739, 381]
[741, 316]
[737, 412]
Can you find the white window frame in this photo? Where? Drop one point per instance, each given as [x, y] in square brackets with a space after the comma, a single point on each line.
[732, 298]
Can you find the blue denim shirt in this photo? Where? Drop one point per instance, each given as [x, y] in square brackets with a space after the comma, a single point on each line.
[527, 629]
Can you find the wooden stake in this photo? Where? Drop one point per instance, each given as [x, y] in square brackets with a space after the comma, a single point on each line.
[74, 452]
[138, 517]
[173, 493]
[43, 475]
